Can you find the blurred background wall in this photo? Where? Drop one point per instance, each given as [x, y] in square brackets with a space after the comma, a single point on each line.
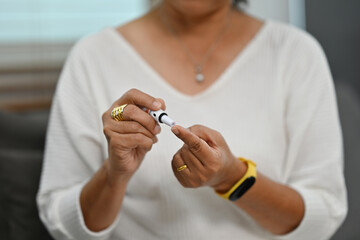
[36, 36]
[336, 25]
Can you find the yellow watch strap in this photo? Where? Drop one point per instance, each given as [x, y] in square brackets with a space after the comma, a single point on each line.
[251, 172]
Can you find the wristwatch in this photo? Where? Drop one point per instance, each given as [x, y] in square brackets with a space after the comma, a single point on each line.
[243, 184]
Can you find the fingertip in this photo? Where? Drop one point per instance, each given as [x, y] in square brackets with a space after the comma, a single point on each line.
[179, 131]
[175, 130]
[156, 104]
[163, 106]
[157, 129]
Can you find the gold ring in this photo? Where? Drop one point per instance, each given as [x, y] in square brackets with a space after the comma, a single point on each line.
[179, 169]
[117, 113]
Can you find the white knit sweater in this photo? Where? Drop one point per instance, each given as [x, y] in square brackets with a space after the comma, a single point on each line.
[275, 104]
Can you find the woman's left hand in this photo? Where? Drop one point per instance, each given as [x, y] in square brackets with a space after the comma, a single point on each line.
[208, 159]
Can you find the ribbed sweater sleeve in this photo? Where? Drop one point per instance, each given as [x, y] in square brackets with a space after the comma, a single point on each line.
[314, 164]
[73, 153]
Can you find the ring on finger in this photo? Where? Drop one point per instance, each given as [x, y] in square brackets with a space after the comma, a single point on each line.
[181, 168]
[117, 113]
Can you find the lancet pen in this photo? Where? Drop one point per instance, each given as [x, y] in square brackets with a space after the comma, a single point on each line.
[160, 116]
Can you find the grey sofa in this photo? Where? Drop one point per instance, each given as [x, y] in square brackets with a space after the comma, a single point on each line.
[21, 151]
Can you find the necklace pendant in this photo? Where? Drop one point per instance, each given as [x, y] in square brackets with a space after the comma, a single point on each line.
[199, 77]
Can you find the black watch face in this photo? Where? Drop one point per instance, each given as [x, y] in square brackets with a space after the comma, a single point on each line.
[242, 189]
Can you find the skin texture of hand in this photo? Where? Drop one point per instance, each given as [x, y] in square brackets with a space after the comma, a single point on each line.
[129, 140]
[208, 158]
[276, 207]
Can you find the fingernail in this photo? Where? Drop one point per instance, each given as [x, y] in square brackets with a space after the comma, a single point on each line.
[161, 100]
[157, 129]
[155, 139]
[156, 104]
[175, 130]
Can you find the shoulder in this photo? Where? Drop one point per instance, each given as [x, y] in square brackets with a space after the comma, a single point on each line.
[95, 44]
[290, 41]
[300, 57]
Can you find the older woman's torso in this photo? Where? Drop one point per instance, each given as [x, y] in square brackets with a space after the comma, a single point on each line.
[162, 50]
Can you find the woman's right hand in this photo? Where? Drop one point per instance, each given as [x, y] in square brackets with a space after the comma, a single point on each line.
[129, 140]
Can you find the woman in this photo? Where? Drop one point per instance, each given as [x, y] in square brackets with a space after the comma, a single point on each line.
[264, 87]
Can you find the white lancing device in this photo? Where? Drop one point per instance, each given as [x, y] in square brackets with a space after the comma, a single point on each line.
[160, 116]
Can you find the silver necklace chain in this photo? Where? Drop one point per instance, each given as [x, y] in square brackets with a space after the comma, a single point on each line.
[199, 76]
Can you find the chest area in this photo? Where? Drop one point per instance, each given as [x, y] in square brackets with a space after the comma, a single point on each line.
[188, 68]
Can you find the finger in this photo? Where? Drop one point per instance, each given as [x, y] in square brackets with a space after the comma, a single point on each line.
[209, 135]
[134, 113]
[131, 141]
[196, 176]
[139, 98]
[195, 164]
[178, 161]
[183, 175]
[125, 127]
[181, 178]
[200, 174]
[163, 105]
[195, 144]
[112, 131]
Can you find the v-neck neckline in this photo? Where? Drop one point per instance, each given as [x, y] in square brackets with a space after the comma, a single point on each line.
[224, 76]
